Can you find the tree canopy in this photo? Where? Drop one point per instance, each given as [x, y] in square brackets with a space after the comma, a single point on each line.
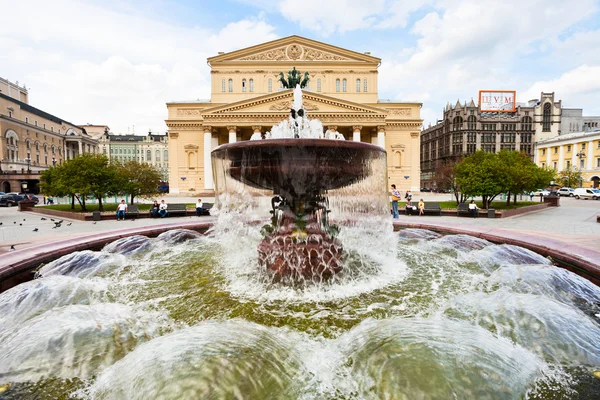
[570, 177]
[93, 175]
[490, 174]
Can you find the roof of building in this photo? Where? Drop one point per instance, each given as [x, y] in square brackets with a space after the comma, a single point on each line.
[36, 111]
[135, 138]
[570, 136]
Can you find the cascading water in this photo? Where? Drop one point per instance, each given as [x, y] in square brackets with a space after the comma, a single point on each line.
[413, 314]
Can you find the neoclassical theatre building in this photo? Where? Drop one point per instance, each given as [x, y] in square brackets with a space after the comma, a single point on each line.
[246, 97]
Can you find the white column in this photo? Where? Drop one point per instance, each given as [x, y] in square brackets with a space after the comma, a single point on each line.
[232, 134]
[257, 129]
[208, 178]
[574, 152]
[590, 155]
[561, 156]
[549, 157]
[381, 136]
[356, 133]
[80, 148]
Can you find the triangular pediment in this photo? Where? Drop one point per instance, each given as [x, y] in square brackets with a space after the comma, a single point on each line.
[294, 49]
[281, 102]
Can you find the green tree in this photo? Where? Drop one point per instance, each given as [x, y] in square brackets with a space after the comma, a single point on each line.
[482, 174]
[570, 177]
[138, 179]
[86, 175]
[522, 173]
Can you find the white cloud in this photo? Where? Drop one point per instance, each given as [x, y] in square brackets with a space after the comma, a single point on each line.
[87, 63]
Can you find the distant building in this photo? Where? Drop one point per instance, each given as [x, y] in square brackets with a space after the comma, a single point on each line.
[573, 121]
[152, 148]
[578, 150]
[464, 129]
[33, 140]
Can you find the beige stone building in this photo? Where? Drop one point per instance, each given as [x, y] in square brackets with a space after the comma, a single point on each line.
[577, 150]
[246, 97]
[33, 140]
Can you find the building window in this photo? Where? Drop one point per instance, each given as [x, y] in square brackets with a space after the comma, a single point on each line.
[27, 120]
[582, 146]
[526, 124]
[223, 85]
[457, 123]
[9, 114]
[344, 85]
[35, 123]
[556, 150]
[148, 155]
[568, 148]
[546, 117]
[243, 85]
[251, 85]
[358, 85]
[554, 165]
[597, 162]
[488, 138]
[525, 137]
[165, 155]
[568, 164]
[337, 85]
[543, 152]
[157, 158]
[365, 85]
[543, 165]
[230, 82]
[319, 85]
[270, 85]
[471, 123]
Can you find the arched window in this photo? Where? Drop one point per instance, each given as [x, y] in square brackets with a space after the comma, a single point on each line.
[397, 159]
[344, 85]
[148, 155]
[457, 123]
[230, 82]
[526, 124]
[337, 85]
[365, 86]
[252, 85]
[319, 85]
[223, 85]
[546, 117]
[471, 123]
[358, 85]
[157, 156]
[12, 141]
[243, 85]
[166, 155]
[270, 85]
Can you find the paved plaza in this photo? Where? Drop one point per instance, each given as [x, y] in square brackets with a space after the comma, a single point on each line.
[574, 222]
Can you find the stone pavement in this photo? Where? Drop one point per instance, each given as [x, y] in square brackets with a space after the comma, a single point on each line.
[574, 222]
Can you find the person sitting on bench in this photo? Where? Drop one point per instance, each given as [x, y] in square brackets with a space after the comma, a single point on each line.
[154, 209]
[473, 209]
[162, 209]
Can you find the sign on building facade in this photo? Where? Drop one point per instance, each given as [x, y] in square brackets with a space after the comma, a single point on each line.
[497, 100]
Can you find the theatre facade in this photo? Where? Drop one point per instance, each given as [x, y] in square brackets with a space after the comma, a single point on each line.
[247, 97]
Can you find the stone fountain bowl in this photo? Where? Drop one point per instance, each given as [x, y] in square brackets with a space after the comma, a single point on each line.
[299, 167]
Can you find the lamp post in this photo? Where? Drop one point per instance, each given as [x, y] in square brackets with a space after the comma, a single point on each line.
[581, 155]
[28, 164]
[24, 186]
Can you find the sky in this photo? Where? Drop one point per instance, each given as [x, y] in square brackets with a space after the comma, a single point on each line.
[117, 62]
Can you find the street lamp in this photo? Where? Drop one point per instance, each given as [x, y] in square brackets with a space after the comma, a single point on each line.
[28, 163]
[24, 186]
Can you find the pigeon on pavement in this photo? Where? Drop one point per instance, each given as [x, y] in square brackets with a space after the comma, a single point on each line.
[35, 230]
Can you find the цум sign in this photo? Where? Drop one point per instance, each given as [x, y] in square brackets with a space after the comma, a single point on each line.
[497, 100]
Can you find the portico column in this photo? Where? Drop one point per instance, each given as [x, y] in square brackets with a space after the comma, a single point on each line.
[80, 148]
[257, 129]
[590, 155]
[381, 136]
[232, 134]
[415, 162]
[561, 156]
[356, 133]
[208, 178]
[332, 129]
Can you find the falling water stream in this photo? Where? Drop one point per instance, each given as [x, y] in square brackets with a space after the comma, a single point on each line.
[414, 315]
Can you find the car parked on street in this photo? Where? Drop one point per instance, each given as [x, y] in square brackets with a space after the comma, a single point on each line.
[587, 193]
[566, 191]
[543, 192]
[31, 197]
[10, 200]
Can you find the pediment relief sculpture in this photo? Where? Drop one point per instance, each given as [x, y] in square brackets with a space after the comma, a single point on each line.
[295, 52]
[287, 104]
[190, 147]
[399, 111]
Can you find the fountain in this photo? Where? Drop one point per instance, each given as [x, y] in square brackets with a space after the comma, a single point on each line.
[299, 169]
[397, 315]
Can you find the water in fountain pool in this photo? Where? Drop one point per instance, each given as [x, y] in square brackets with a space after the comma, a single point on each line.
[413, 314]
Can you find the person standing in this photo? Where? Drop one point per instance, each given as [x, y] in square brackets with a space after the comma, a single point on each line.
[162, 209]
[199, 207]
[396, 196]
[121, 210]
[531, 195]
[421, 207]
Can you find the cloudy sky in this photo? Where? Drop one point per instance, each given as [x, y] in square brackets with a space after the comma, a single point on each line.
[118, 62]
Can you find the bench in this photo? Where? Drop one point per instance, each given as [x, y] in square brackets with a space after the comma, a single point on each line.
[432, 208]
[176, 209]
[132, 211]
[463, 210]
